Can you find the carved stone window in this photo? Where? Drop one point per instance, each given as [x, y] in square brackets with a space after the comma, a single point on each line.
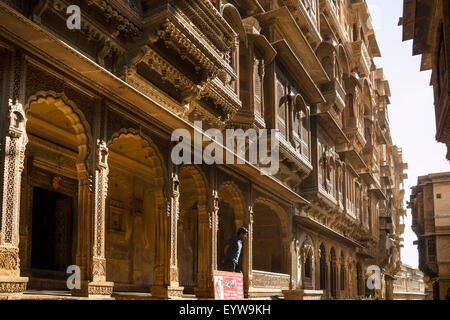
[258, 74]
[282, 107]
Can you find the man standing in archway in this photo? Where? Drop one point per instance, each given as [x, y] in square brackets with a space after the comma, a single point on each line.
[233, 251]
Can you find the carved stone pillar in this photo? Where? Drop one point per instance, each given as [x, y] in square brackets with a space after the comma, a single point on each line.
[91, 205]
[207, 263]
[248, 255]
[338, 280]
[11, 284]
[296, 271]
[166, 285]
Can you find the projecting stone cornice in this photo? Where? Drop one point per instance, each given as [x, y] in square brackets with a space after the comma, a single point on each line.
[283, 21]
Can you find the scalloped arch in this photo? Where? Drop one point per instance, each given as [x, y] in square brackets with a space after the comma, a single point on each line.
[200, 182]
[73, 113]
[147, 144]
[236, 196]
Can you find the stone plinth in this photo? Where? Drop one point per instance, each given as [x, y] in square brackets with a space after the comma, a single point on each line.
[12, 287]
[293, 294]
[163, 292]
[94, 290]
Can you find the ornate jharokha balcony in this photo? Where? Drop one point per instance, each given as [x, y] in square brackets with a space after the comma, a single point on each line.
[190, 50]
[362, 57]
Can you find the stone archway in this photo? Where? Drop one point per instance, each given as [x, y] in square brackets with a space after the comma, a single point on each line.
[307, 262]
[55, 182]
[193, 225]
[270, 237]
[134, 202]
[230, 217]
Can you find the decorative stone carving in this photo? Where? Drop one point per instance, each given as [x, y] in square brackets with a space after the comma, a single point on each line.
[15, 143]
[263, 279]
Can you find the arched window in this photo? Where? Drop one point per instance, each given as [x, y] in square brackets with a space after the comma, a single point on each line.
[308, 266]
[323, 268]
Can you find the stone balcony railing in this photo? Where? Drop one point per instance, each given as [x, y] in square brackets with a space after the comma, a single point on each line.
[270, 280]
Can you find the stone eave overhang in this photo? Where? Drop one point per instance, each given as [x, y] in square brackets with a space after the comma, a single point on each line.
[317, 226]
[299, 73]
[330, 126]
[31, 37]
[297, 41]
[261, 42]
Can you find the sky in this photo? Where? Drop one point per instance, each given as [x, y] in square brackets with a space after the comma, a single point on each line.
[411, 113]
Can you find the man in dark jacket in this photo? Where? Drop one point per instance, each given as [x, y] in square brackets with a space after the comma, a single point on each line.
[233, 251]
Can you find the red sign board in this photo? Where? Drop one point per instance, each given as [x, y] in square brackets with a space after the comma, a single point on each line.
[228, 285]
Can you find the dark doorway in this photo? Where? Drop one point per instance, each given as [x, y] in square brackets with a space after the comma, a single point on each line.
[51, 247]
[227, 230]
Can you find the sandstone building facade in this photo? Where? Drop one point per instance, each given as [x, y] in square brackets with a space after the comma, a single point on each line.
[409, 284]
[427, 23]
[86, 172]
[430, 206]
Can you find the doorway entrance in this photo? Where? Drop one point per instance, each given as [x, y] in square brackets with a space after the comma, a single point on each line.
[52, 230]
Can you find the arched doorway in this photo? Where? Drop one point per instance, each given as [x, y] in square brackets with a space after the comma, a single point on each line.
[134, 194]
[231, 212]
[307, 255]
[192, 207]
[269, 239]
[55, 157]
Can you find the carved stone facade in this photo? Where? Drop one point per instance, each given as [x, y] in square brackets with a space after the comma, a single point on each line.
[87, 176]
[430, 209]
[427, 23]
[409, 284]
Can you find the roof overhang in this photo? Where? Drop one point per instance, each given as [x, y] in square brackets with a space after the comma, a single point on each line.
[317, 226]
[297, 41]
[261, 42]
[354, 158]
[329, 124]
[300, 75]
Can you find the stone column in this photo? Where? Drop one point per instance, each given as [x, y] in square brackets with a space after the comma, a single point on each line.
[207, 257]
[327, 293]
[296, 290]
[248, 255]
[338, 280]
[166, 285]
[92, 213]
[11, 284]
